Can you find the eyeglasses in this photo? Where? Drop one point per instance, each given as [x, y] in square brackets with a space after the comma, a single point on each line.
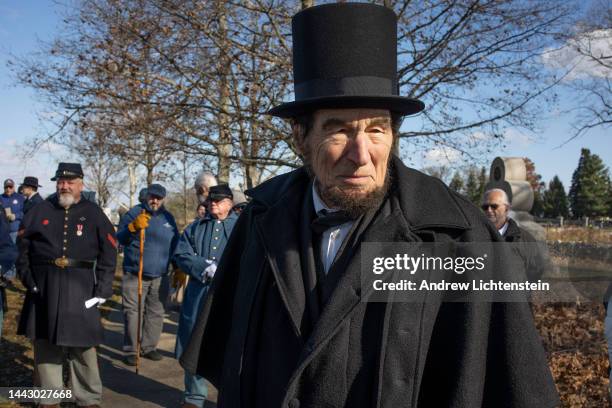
[485, 207]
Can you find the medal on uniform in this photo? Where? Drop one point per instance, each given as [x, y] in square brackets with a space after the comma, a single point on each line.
[79, 230]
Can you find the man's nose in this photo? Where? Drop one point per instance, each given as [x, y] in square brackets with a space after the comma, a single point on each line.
[358, 149]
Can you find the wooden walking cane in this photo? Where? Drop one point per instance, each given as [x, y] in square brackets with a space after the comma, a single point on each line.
[140, 265]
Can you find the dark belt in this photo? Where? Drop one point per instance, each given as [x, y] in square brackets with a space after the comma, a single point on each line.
[64, 263]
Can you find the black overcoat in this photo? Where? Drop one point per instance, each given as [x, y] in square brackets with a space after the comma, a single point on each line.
[29, 203]
[57, 312]
[360, 354]
[532, 254]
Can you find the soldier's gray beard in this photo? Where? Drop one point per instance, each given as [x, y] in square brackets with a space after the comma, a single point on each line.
[65, 199]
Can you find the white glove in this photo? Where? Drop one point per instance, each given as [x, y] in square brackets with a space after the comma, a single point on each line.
[11, 217]
[210, 270]
[93, 301]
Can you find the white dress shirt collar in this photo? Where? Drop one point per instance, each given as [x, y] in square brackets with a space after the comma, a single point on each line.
[332, 238]
[503, 229]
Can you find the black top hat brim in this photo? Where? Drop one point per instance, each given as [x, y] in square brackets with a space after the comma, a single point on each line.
[28, 184]
[397, 104]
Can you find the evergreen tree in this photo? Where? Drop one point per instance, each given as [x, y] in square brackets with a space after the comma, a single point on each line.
[590, 188]
[610, 201]
[472, 187]
[456, 183]
[482, 183]
[554, 202]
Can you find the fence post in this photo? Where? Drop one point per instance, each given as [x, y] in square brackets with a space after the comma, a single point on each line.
[586, 222]
[561, 221]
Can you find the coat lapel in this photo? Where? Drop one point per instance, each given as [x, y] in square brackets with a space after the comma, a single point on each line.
[279, 229]
[388, 226]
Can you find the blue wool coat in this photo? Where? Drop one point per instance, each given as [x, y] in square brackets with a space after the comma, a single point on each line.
[160, 240]
[203, 239]
[15, 203]
[8, 250]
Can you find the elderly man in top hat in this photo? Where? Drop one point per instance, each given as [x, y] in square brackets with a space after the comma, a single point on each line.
[197, 253]
[30, 192]
[67, 257]
[286, 323]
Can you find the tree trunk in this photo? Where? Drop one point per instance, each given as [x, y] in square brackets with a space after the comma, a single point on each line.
[185, 182]
[225, 143]
[132, 179]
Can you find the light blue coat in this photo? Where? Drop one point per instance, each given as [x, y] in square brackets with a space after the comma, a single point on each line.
[203, 239]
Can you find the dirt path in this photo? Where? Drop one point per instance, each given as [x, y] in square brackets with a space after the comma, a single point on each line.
[159, 383]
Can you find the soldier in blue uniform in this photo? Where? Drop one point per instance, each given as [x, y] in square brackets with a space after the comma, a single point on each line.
[197, 254]
[67, 257]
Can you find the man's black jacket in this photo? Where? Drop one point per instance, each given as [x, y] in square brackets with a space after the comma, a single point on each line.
[250, 340]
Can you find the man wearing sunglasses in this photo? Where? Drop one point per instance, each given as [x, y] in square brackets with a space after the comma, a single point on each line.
[13, 209]
[496, 207]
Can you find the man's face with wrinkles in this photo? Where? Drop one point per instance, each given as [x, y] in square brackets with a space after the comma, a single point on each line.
[348, 151]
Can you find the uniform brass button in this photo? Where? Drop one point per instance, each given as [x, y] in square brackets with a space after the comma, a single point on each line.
[216, 237]
[214, 258]
[64, 248]
[65, 233]
[214, 247]
[216, 229]
[65, 241]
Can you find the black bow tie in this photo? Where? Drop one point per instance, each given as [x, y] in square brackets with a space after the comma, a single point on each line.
[328, 219]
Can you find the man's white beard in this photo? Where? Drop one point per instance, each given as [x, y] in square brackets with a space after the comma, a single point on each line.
[65, 199]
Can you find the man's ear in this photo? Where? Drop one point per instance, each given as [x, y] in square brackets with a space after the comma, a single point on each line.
[299, 138]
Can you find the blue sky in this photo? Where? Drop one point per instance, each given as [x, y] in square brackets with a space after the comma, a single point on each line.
[23, 22]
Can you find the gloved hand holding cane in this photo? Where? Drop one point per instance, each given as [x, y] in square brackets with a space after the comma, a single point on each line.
[141, 222]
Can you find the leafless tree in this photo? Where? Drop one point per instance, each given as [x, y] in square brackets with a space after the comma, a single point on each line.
[477, 65]
[192, 76]
[590, 46]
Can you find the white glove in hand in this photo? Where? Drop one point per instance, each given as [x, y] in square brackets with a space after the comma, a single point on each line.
[210, 270]
[11, 217]
[93, 301]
